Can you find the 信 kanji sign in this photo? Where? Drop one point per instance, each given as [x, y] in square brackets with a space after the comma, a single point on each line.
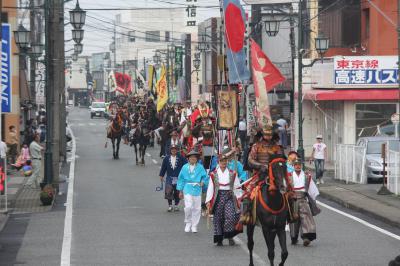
[359, 71]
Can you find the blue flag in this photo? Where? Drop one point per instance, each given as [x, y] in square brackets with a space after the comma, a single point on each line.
[235, 28]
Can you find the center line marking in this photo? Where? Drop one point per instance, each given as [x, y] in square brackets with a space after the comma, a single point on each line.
[154, 161]
[148, 154]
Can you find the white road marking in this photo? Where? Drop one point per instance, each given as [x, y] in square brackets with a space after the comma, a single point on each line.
[154, 161]
[148, 154]
[383, 231]
[92, 124]
[81, 124]
[66, 245]
[256, 258]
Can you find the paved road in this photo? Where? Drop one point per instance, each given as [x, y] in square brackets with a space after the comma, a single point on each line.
[119, 219]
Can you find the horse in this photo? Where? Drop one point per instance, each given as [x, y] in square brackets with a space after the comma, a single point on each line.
[115, 132]
[271, 211]
[140, 135]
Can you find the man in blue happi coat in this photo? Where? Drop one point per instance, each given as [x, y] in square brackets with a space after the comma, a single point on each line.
[172, 165]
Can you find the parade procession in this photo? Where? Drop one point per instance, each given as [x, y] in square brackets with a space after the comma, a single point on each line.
[200, 132]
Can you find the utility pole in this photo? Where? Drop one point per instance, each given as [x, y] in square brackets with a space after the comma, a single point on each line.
[115, 46]
[300, 148]
[293, 56]
[62, 98]
[167, 72]
[50, 85]
[32, 60]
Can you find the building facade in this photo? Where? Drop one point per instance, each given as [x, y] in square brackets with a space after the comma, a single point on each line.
[354, 91]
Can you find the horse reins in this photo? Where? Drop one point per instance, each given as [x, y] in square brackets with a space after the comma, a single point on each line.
[272, 184]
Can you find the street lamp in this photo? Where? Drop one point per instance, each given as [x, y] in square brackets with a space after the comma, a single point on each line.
[156, 58]
[37, 49]
[112, 47]
[196, 63]
[77, 17]
[77, 35]
[321, 45]
[22, 37]
[74, 57]
[271, 27]
[78, 48]
[171, 52]
[202, 45]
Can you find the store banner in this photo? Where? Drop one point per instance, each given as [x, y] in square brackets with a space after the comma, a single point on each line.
[6, 70]
[358, 71]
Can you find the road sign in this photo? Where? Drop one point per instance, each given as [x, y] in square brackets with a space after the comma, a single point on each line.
[6, 69]
[395, 118]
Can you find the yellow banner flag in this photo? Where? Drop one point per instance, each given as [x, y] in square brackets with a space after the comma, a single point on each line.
[151, 77]
[162, 90]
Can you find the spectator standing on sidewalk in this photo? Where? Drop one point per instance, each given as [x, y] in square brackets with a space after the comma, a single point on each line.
[319, 154]
[243, 132]
[282, 128]
[12, 144]
[36, 155]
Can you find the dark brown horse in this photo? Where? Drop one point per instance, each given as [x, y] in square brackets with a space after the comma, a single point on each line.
[115, 132]
[271, 211]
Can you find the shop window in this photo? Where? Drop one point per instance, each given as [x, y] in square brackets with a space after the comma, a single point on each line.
[369, 116]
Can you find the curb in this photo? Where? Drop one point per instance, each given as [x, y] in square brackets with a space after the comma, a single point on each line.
[3, 222]
[367, 212]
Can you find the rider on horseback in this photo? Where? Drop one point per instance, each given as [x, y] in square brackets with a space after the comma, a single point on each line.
[258, 160]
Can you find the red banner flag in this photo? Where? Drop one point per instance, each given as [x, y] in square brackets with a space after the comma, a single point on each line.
[265, 77]
[124, 83]
[270, 74]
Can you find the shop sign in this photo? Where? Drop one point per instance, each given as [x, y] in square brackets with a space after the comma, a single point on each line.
[367, 71]
[6, 69]
[191, 13]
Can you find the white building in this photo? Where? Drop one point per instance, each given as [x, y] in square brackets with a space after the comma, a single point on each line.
[141, 32]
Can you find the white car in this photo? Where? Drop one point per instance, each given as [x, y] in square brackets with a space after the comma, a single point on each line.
[97, 109]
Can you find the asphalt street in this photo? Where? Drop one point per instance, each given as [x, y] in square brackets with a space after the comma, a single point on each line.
[119, 219]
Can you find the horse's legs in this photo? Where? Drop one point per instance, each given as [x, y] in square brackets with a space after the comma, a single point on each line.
[143, 153]
[135, 145]
[250, 241]
[282, 242]
[113, 145]
[269, 236]
[118, 143]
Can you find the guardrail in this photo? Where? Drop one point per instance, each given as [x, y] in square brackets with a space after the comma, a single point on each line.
[350, 163]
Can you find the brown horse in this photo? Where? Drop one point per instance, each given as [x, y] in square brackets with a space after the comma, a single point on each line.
[115, 132]
[271, 211]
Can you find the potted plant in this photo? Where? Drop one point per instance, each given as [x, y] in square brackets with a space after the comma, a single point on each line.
[47, 195]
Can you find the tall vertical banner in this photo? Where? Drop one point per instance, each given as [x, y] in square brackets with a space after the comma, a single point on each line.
[265, 77]
[235, 28]
[151, 80]
[6, 70]
[162, 90]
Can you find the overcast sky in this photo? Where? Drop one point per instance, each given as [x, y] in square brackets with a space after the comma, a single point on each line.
[98, 41]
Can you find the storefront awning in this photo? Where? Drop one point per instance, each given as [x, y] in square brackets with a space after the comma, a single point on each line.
[351, 95]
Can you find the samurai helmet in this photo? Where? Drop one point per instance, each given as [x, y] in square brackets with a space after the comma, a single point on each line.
[267, 130]
[204, 109]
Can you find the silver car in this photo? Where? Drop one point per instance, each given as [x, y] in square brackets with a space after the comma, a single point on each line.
[374, 161]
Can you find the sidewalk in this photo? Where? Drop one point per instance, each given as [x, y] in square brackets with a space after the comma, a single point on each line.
[361, 197]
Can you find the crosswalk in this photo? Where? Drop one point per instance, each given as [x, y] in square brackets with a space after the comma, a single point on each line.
[87, 124]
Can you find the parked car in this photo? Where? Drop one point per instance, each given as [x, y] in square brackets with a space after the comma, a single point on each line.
[97, 109]
[374, 161]
[388, 130]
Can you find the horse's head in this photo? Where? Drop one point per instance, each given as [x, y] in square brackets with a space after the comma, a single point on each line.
[277, 170]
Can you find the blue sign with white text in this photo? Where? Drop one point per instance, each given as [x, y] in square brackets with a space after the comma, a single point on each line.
[6, 74]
